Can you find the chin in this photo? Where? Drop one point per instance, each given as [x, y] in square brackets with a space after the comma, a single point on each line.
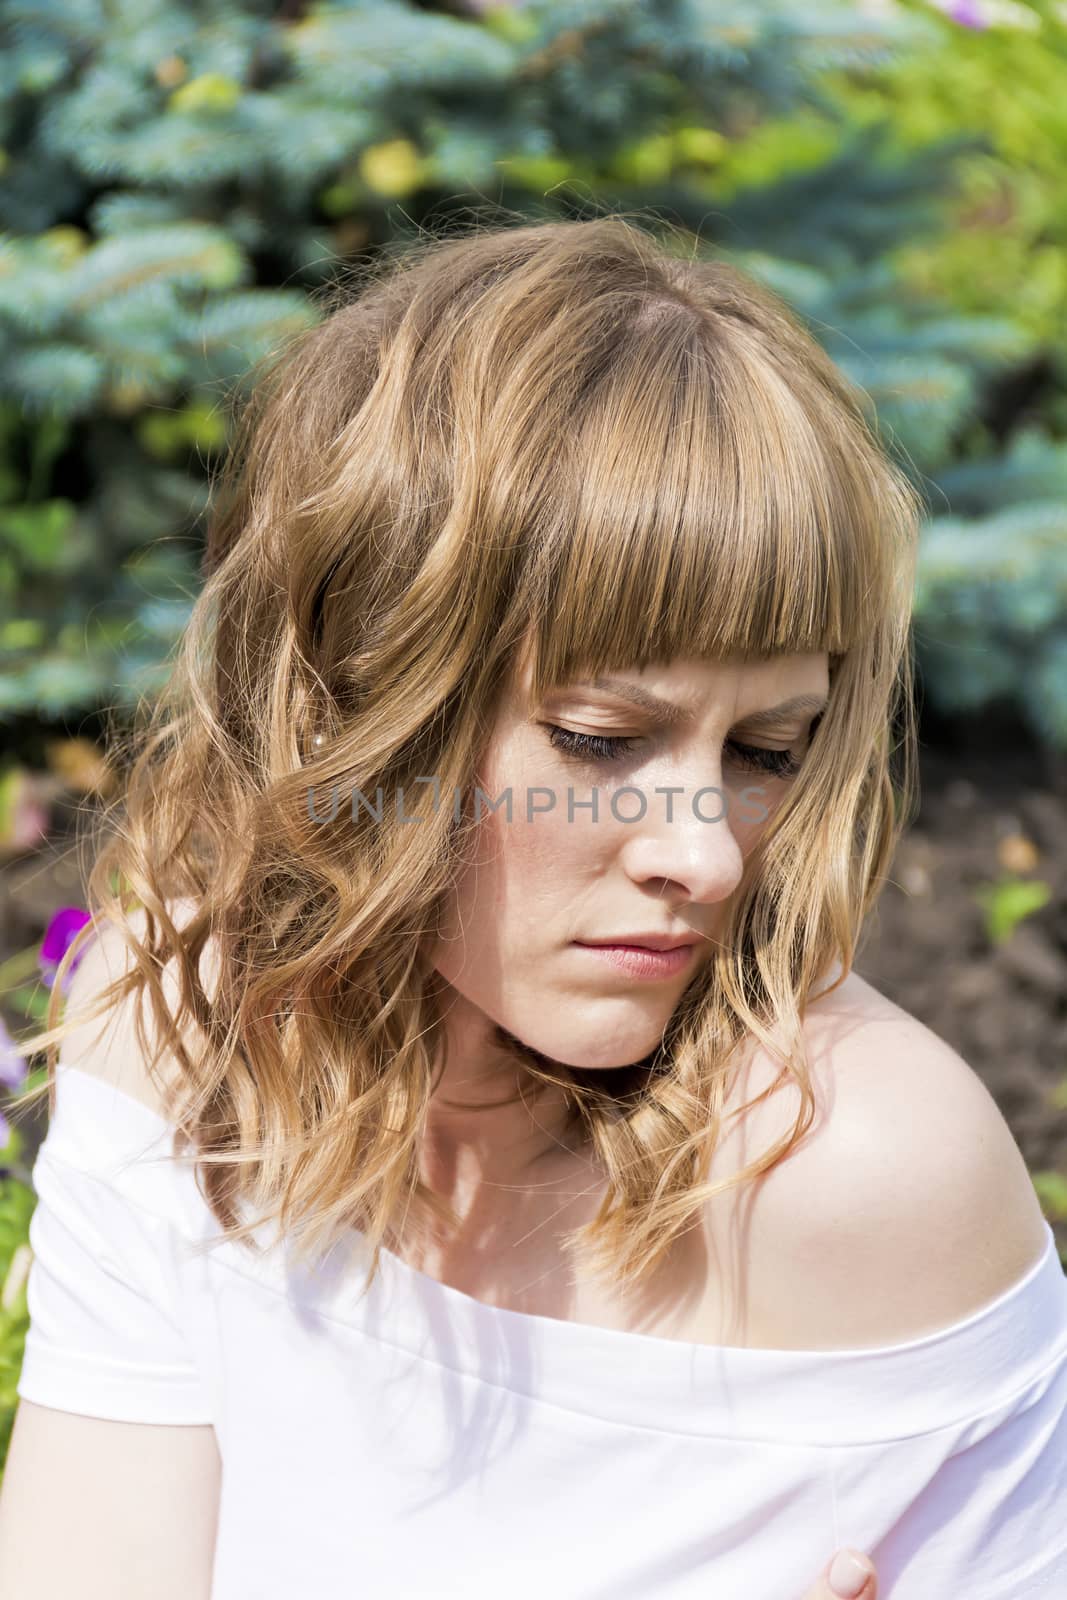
[598, 1057]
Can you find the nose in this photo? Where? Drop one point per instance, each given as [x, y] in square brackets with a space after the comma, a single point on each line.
[684, 842]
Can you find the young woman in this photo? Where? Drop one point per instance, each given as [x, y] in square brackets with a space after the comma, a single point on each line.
[513, 1186]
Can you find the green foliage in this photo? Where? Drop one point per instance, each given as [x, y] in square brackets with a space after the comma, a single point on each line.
[1003, 84]
[991, 600]
[175, 181]
[1008, 902]
[1051, 1190]
[17, 1201]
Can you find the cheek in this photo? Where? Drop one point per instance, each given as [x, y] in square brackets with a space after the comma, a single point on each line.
[525, 875]
[524, 884]
[752, 805]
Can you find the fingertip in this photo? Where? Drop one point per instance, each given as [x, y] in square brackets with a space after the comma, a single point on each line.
[850, 1575]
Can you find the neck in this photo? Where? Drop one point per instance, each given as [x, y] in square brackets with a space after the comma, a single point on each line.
[489, 1124]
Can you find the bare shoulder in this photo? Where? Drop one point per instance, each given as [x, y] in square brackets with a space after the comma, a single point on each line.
[907, 1206]
[107, 1046]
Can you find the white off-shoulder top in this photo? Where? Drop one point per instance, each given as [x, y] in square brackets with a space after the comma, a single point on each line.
[417, 1443]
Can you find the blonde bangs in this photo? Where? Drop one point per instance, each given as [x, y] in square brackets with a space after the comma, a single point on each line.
[703, 507]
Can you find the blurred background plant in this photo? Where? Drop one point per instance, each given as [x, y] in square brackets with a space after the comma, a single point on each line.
[176, 179]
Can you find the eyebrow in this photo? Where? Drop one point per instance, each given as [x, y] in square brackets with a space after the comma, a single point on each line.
[669, 711]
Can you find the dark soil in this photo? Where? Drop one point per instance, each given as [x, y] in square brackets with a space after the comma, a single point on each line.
[1002, 1006]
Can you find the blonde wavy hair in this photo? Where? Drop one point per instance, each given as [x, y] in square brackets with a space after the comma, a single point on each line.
[571, 432]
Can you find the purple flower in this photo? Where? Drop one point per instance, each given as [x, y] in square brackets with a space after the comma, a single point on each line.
[13, 1064]
[13, 1070]
[58, 937]
[967, 13]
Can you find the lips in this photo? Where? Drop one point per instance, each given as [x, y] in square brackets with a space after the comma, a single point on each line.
[640, 962]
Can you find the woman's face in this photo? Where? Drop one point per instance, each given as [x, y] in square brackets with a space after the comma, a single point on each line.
[540, 888]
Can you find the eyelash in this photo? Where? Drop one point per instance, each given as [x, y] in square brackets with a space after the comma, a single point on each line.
[598, 747]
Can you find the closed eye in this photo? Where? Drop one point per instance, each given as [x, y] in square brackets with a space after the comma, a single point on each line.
[605, 748]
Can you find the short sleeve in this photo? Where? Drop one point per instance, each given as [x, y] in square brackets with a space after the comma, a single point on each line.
[105, 1337]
